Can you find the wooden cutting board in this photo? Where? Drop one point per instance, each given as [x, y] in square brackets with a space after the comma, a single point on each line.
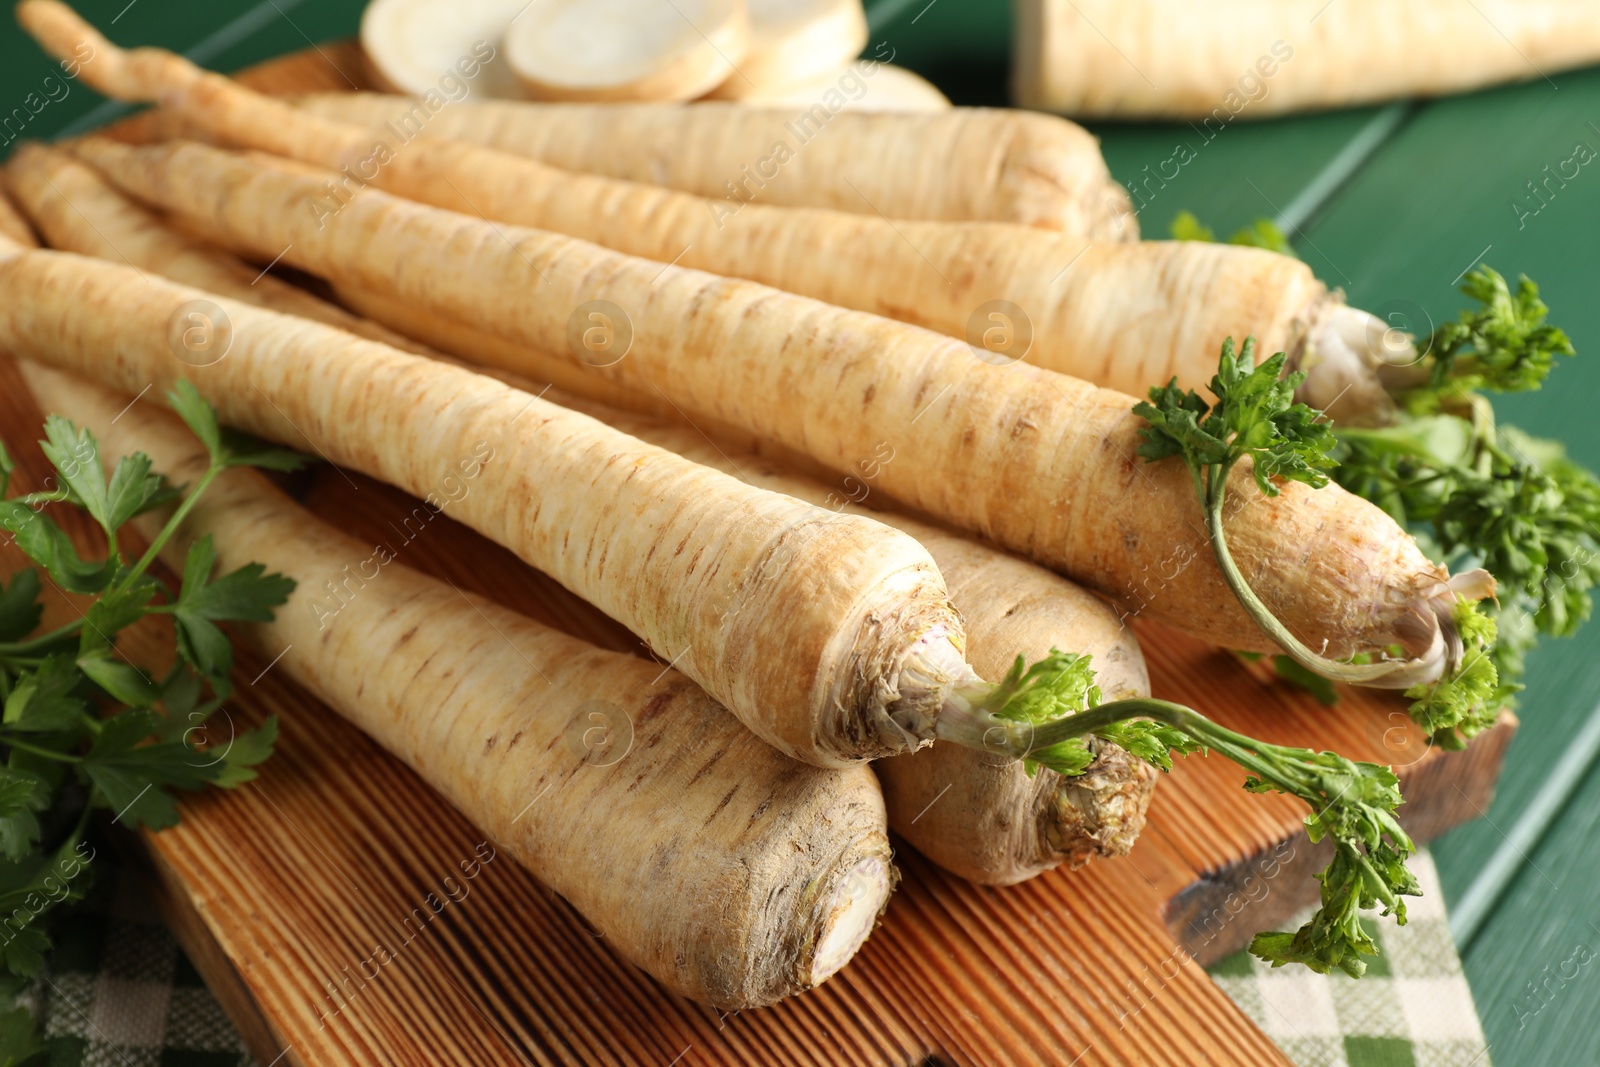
[315, 904]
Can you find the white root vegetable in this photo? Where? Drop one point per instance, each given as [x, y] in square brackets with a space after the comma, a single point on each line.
[1122, 315]
[626, 49]
[732, 874]
[980, 814]
[1255, 58]
[78, 211]
[844, 650]
[1073, 494]
[890, 89]
[994, 823]
[969, 164]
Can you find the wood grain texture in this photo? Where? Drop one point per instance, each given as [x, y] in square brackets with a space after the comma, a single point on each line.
[304, 897]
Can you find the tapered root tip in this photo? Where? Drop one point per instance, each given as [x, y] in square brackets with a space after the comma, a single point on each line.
[142, 75]
[62, 32]
[1431, 624]
[860, 897]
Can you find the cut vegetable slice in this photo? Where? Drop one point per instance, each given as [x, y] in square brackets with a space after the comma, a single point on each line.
[794, 41]
[421, 46]
[626, 49]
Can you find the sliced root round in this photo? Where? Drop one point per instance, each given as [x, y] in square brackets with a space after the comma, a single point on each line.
[417, 46]
[795, 41]
[626, 49]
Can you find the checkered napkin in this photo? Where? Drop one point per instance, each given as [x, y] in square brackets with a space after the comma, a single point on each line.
[1413, 1008]
[119, 992]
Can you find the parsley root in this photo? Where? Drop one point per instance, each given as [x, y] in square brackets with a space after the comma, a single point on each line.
[969, 164]
[1255, 418]
[1049, 715]
[1042, 464]
[864, 671]
[1252, 58]
[77, 210]
[775, 872]
[988, 164]
[994, 823]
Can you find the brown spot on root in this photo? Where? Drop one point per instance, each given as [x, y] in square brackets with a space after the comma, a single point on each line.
[723, 803]
[703, 771]
[652, 709]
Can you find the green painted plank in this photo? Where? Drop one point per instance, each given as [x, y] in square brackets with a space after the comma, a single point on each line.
[1227, 175]
[962, 46]
[1536, 974]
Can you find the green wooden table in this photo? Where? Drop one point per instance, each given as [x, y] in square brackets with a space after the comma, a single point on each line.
[1393, 204]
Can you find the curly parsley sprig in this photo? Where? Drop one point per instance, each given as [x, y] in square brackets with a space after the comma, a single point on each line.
[83, 728]
[1044, 713]
[1504, 345]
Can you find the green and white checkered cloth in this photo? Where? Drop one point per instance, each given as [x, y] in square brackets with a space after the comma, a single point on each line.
[1413, 1008]
[121, 994]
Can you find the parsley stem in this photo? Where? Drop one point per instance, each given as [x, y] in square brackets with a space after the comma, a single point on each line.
[9, 648]
[1282, 767]
[23, 746]
[1213, 487]
[178, 515]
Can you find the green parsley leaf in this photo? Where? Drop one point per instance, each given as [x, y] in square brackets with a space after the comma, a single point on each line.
[1463, 703]
[42, 541]
[47, 699]
[245, 752]
[76, 458]
[20, 609]
[199, 416]
[229, 448]
[118, 608]
[1255, 415]
[119, 678]
[134, 490]
[19, 825]
[1505, 345]
[248, 594]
